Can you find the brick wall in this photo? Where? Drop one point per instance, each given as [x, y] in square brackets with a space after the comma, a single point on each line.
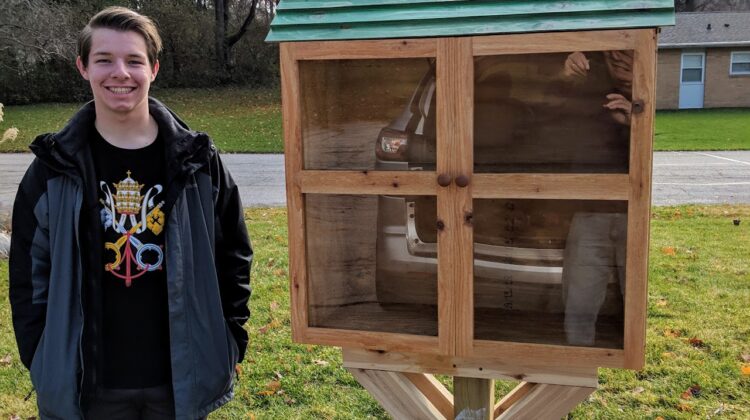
[668, 79]
[723, 90]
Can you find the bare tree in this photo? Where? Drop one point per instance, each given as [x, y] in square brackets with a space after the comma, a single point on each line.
[225, 11]
[33, 31]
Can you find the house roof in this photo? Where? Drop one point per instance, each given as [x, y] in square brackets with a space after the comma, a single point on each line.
[307, 20]
[719, 29]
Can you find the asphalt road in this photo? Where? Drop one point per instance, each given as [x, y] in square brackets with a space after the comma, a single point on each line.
[679, 177]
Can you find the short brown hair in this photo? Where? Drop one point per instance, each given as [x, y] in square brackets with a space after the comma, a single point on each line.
[121, 19]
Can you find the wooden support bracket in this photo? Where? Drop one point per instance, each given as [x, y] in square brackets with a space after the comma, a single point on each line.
[412, 395]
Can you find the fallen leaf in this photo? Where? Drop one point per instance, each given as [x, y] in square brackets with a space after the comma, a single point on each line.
[309, 348]
[6, 361]
[684, 408]
[697, 342]
[669, 332]
[278, 375]
[659, 418]
[639, 390]
[668, 250]
[279, 272]
[321, 362]
[745, 358]
[271, 325]
[238, 369]
[14, 417]
[271, 262]
[720, 409]
[250, 416]
[271, 388]
[298, 358]
[290, 401]
[274, 305]
[662, 302]
[745, 369]
[691, 392]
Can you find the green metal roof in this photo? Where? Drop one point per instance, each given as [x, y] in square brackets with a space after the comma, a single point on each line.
[311, 20]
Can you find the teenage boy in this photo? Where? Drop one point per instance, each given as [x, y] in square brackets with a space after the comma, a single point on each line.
[129, 267]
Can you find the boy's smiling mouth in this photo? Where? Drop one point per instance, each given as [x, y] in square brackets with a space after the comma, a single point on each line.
[120, 90]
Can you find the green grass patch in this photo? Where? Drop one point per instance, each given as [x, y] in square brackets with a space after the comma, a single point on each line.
[249, 120]
[704, 129]
[238, 119]
[699, 289]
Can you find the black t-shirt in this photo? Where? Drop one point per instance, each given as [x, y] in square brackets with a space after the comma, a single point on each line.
[135, 321]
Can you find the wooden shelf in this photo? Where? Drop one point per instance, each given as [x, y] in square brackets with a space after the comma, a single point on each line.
[498, 324]
[373, 316]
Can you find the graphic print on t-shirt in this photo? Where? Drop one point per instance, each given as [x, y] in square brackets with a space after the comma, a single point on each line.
[129, 214]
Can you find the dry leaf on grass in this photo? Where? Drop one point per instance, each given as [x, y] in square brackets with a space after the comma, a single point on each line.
[321, 362]
[309, 348]
[685, 408]
[697, 343]
[691, 392]
[250, 416]
[6, 361]
[14, 417]
[668, 250]
[745, 369]
[668, 355]
[669, 332]
[639, 390]
[661, 302]
[274, 305]
[745, 357]
[271, 388]
[271, 325]
[279, 272]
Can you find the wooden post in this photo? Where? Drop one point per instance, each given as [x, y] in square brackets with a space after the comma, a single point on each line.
[473, 398]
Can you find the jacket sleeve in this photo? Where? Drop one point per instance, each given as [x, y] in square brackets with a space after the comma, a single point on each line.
[234, 255]
[29, 262]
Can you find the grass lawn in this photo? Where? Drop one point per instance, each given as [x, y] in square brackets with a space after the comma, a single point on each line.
[247, 120]
[698, 334]
[706, 129]
[238, 119]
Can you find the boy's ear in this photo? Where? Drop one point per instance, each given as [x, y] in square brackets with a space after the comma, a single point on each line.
[82, 68]
[155, 70]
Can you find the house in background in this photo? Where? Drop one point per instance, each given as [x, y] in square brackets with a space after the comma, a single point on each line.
[704, 61]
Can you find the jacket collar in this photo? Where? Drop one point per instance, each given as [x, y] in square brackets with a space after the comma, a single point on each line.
[66, 151]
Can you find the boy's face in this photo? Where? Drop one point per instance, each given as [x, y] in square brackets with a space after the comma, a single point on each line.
[118, 71]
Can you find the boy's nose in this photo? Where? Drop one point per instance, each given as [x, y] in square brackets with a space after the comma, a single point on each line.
[120, 71]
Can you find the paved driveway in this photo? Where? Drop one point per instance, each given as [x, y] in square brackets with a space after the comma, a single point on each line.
[679, 177]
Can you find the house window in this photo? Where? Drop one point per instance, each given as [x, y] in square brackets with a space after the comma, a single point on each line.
[740, 63]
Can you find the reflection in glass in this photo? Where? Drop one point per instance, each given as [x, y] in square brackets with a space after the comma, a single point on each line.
[364, 268]
[553, 112]
[367, 114]
[550, 271]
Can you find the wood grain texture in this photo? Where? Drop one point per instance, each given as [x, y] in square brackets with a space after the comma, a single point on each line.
[552, 186]
[373, 341]
[295, 201]
[397, 394]
[367, 182]
[639, 205]
[346, 50]
[547, 402]
[548, 355]
[455, 111]
[473, 398]
[436, 392]
[512, 397]
[555, 42]
[488, 367]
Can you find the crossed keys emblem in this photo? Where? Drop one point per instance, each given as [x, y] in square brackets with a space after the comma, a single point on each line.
[129, 213]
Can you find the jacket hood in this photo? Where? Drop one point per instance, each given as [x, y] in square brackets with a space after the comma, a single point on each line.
[66, 151]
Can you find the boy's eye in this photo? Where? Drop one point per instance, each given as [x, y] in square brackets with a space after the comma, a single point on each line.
[102, 60]
[136, 62]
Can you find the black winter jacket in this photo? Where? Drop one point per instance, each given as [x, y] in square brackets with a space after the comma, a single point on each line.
[55, 261]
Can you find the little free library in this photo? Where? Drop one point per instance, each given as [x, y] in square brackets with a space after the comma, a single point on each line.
[468, 189]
